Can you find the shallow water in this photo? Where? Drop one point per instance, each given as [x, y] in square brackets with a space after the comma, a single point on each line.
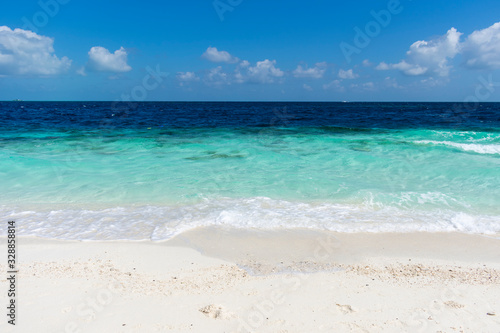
[98, 171]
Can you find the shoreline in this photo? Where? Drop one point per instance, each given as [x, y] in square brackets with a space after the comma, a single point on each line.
[226, 280]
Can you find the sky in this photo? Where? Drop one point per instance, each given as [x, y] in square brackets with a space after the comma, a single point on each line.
[250, 50]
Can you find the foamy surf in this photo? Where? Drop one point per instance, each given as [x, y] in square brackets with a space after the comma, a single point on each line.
[473, 147]
[164, 222]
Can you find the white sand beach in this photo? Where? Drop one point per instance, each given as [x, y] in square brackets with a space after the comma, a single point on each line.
[222, 280]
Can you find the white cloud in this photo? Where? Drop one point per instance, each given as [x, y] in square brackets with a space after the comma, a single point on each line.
[313, 73]
[24, 52]
[238, 76]
[429, 57]
[334, 85]
[383, 66]
[186, 77]
[431, 82]
[367, 63]
[347, 75]
[482, 48]
[370, 86]
[413, 69]
[244, 63]
[81, 71]
[213, 55]
[391, 83]
[217, 77]
[101, 60]
[307, 87]
[264, 72]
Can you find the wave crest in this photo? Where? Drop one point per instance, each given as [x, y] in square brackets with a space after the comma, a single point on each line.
[474, 147]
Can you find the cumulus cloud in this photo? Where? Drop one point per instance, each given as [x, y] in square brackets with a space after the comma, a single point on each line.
[431, 82]
[408, 69]
[312, 73]
[24, 52]
[81, 71]
[264, 72]
[383, 66]
[334, 85]
[416, 69]
[240, 75]
[392, 82]
[307, 87]
[429, 57]
[186, 77]
[217, 77]
[370, 86]
[214, 55]
[244, 63]
[347, 75]
[101, 60]
[482, 48]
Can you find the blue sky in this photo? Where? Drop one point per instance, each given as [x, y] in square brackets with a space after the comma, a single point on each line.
[251, 50]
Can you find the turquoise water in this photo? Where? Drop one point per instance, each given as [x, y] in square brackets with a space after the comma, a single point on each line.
[152, 183]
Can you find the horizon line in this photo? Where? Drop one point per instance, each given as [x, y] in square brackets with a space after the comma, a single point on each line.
[238, 101]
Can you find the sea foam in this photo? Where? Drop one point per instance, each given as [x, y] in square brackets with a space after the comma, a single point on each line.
[473, 147]
[164, 222]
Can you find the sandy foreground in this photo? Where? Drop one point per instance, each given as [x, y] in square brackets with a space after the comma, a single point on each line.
[220, 280]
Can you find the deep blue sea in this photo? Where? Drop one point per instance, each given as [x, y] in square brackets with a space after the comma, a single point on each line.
[108, 171]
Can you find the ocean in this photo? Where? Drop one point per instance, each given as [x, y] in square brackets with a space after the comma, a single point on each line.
[149, 171]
